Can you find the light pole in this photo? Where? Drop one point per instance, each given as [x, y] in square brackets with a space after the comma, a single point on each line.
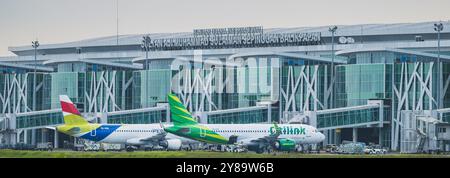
[146, 44]
[35, 45]
[438, 27]
[333, 31]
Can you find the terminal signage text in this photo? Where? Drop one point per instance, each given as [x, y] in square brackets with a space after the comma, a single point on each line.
[241, 37]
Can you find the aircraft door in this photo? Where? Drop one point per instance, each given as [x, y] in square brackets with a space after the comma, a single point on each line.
[94, 132]
[202, 132]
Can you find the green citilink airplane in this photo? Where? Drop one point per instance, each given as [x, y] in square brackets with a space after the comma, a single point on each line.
[256, 137]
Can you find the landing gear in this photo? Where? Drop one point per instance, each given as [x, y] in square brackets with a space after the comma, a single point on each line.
[261, 150]
[130, 148]
[189, 147]
[148, 148]
[264, 149]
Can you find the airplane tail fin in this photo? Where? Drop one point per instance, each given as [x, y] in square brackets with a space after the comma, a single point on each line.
[70, 112]
[180, 115]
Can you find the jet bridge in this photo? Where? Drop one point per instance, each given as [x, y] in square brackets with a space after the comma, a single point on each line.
[348, 117]
[425, 131]
[331, 121]
[419, 132]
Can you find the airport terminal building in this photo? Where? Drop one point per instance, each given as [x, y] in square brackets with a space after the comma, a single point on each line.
[386, 84]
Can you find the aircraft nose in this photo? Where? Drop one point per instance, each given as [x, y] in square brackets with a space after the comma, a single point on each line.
[321, 136]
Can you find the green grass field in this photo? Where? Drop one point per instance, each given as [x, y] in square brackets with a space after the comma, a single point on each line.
[191, 154]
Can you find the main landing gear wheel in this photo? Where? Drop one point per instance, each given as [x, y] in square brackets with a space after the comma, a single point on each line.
[263, 149]
[130, 149]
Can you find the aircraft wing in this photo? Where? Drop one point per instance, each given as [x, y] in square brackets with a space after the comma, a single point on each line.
[261, 140]
[155, 138]
[269, 139]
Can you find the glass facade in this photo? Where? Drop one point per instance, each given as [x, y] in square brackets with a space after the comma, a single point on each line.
[371, 57]
[405, 71]
[246, 117]
[66, 83]
[159, 64]
[323, 76]
[138, 117]
[151, 87]
[11, 70]
[300, 62]
[124, 94]
[146, 88]
[17, 92]
[387, 113]
[79, 85]
[446, 72]
[446, 117]
[355, 84]
[385, 136]
[385, 57]
[229, 88]
[72, 67]
[253, 84]
[86, 67]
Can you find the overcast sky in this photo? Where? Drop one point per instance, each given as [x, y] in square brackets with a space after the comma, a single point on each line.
[55, 21]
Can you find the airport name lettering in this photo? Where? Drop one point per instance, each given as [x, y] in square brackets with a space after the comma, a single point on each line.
[238, 41]
[228, 31]
[187, 168]
[246, 167]
[289, 130]
[234, 38]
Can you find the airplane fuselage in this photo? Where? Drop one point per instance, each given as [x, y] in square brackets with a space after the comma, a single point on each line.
[245, 133]
[116, 133]
[302, 134]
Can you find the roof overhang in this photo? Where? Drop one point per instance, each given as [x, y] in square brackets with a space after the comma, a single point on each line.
[186, 59]
[350, 51]
[121, 65]
[38, 68]
[289, 55]
[142, 59]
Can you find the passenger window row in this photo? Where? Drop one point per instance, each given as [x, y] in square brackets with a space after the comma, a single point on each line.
[242, 131]
[136, 130]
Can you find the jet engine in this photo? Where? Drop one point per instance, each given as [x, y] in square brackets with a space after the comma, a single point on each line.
[172, 144]
[135, 141]
[285, 144]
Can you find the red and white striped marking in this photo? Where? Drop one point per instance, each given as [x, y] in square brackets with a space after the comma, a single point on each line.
[67, 106]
